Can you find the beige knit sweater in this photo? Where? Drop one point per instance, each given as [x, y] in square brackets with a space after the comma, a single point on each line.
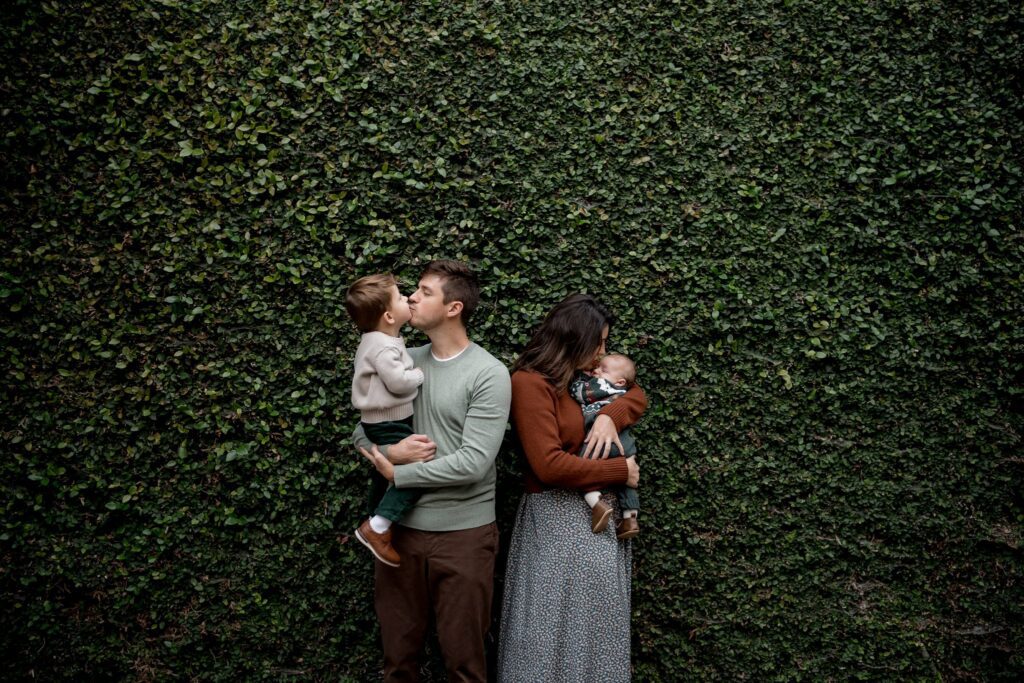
[384, 381]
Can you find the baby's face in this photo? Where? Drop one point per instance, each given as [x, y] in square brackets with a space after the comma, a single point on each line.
[612, 369]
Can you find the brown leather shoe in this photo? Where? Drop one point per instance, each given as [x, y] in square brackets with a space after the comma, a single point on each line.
[599, 516]
[627, 528]
[379, 544]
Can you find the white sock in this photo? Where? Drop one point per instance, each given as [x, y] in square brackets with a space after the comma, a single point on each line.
[592, 498]
[380, 524]
[629, 513]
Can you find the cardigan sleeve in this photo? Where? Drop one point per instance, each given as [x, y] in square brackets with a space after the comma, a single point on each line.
[535, 416]
[392, 370]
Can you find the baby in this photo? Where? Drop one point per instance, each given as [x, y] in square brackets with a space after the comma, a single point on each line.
[593, 391]
[384, 384]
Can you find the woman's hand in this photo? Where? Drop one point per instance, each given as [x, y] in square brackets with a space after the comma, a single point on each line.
[413, 448]
[601, 437]
[383, 465]
[633, 472]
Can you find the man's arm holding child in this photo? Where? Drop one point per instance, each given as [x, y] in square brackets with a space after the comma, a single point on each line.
[415, 448]
[482, 433]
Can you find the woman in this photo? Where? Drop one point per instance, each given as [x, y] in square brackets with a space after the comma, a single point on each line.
[565, 614]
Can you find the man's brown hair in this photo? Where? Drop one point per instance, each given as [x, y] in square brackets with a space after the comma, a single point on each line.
[368, 299]
[458, 283]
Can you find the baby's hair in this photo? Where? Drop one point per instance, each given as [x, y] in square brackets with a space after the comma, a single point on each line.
[628, 368]
[368, 299]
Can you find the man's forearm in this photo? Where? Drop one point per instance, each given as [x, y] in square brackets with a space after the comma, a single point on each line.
[481, 439]
[482, 434]
[465, 466]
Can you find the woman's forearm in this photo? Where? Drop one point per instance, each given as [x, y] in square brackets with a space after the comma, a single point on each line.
[627, 410]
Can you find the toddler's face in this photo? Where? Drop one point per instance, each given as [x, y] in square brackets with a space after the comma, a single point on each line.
[399, 307]
[612, 369]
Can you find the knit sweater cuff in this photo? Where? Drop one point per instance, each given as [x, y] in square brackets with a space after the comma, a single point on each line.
[620, 472]
[399, 412]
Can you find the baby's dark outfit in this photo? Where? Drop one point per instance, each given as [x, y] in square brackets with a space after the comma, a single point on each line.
[594, 393]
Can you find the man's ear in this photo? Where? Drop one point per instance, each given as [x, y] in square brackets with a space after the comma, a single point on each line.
[454, 309]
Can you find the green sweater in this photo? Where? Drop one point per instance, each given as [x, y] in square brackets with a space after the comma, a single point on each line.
[463, 406]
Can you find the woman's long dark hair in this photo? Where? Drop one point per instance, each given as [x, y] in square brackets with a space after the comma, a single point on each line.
[569, 336]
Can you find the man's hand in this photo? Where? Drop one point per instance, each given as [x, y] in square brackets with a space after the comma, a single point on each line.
[386, 469]
[413, 448]
[601, 437]
[633, 472]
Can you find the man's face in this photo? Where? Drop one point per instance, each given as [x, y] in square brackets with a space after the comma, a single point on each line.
[427, 304]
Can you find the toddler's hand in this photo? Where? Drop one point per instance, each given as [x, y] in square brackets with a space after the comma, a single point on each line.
[385, 468]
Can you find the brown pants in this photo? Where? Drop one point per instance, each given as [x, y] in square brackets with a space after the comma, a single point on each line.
[451, 572]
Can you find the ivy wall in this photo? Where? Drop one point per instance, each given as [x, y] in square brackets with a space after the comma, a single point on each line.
[806, 215]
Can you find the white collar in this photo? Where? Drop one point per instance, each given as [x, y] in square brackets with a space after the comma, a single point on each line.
[449, 358]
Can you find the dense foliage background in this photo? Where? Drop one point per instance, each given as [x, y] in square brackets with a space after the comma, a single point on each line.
[807, 216]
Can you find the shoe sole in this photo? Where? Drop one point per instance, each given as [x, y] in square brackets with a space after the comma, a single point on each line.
[371, 549]
[626, 536]
[602, 523]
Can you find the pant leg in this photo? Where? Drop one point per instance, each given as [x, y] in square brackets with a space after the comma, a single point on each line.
[375, 492]
[395, 503]
[628, 442]
[628, 498]
[387, 433]
[395, 506]
[402, 601]
[461, 576]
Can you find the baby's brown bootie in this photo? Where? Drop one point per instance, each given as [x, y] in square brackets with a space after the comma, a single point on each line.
[599, 516]
[627, 528]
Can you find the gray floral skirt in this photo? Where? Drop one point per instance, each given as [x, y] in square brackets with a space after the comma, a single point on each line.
[565, 613]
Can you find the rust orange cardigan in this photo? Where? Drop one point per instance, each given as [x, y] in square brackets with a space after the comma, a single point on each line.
[549, 432]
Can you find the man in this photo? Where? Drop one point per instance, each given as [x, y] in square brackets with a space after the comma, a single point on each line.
[448, 542]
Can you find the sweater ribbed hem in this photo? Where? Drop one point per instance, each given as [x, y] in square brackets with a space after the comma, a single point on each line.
[617, 471]
[387, 414]
[465, 516]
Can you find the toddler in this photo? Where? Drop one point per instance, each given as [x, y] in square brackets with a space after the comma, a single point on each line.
[384, 384]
